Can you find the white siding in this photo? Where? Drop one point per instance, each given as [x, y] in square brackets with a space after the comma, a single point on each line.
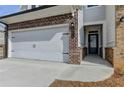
[110, 25]
[94, 14]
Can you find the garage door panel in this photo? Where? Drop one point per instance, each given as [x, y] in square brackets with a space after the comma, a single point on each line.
[45, 44]
[40, 46]
[38, 55]
[39, 35]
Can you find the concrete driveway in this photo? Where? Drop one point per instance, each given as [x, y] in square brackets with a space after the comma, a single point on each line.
[22, 72]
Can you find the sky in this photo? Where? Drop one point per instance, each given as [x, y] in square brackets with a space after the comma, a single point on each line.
[8, 9]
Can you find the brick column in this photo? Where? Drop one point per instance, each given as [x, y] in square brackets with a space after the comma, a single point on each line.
[75, 56]
[119, 49]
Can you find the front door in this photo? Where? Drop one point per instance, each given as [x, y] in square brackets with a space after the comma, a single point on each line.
[93, 43]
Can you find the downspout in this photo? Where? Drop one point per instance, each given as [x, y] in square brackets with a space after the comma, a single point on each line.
[5, 38]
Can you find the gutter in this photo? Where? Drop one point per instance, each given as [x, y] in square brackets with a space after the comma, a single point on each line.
[6, 38]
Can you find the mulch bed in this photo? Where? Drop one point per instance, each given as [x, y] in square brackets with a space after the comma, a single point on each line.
[116, 80]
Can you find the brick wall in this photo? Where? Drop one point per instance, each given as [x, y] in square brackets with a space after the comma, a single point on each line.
[119, 49]
[75, 52]
[109, 55]
[53, 20]
[75, 55]
[2, 51]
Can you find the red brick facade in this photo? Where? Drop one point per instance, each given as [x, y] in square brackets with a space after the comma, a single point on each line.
[74, 52]
[53, 20]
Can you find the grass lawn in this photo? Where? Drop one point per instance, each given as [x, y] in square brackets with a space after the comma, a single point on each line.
[116, 80]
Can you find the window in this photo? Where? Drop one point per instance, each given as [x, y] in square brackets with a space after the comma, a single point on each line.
[92, 6]
[33, 6]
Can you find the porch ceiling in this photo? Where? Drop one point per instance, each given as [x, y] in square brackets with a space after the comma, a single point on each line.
[51, 11]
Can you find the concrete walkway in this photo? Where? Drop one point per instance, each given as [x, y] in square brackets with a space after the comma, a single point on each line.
[92, 69]
[23, 72]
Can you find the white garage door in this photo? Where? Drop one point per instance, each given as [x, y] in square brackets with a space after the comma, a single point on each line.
[50, 44]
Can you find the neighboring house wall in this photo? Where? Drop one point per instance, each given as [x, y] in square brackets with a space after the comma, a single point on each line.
[1, 37]
[2, 44]
[26, 7]
[94, 14]
[2, 41]
[23, 7]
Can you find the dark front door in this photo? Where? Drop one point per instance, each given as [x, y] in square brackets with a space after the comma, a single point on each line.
[93, 43]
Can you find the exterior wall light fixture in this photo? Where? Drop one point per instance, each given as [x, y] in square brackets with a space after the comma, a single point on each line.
[122, 19]
[72, 30]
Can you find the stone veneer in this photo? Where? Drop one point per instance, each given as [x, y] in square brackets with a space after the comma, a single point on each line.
[119, 49]
[75, 53]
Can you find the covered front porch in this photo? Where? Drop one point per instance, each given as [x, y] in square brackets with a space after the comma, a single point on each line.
[95, 60]
[94, 44]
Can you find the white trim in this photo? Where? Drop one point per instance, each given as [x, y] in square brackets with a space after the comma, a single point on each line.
[104, 30]
[37, 28]
[80, 29]
[9, 45]
[94, 22]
